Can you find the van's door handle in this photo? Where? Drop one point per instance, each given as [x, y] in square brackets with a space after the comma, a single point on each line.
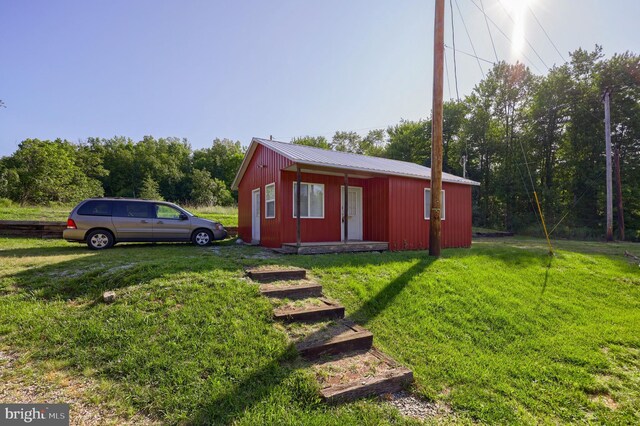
[144, 221]
[160, 222]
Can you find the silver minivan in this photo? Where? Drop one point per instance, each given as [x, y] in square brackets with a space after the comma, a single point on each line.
[102, 222]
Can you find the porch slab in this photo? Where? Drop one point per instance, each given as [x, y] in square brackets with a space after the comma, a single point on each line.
[335, 247]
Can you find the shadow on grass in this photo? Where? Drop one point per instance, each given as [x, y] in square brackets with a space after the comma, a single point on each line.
[93, 272]
[259, 384]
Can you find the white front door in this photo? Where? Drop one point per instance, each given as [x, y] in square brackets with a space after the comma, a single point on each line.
[255, 215]
[354, 213]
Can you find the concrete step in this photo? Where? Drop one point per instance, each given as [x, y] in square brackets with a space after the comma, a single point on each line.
[323, 310]
[293, 291]
[359, 375]
[274, 273]
[339, 337]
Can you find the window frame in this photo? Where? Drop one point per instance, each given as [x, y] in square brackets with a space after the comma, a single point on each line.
[119, 205]
[267, 201]
[293, 199]
[155, 211]
[427, 213]
[90, 202]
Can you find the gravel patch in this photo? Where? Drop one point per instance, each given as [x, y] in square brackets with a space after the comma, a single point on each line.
[417, 408]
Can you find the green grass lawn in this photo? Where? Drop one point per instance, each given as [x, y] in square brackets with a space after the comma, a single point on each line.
[228, 216]
[500, 332]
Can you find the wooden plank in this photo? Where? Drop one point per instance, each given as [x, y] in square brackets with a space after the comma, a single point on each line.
[354, 339]
[276, 274]
[299, 291]
[30, 222]
[328, 311]
[394, 381]
[359, 339]
[498, 234]
[338, 247]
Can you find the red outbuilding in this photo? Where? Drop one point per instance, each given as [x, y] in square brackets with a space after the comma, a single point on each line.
[387, 201]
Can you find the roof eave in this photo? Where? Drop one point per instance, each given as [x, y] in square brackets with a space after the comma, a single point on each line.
[255, 141]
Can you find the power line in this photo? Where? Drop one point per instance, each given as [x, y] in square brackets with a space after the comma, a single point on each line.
[546, 34]
[455, 64]
[505, 35]
[469, 36]
[489, 30]
[446, 66]
[471, 55]
[526, 39]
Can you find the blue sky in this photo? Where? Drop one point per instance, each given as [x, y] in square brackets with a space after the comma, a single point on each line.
[237, 69]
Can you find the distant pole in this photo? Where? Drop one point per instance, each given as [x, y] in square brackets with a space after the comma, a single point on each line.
[607, 136]
[298, 212]
[619, 207]
[436, 131]
[345, 216]
[464, 166]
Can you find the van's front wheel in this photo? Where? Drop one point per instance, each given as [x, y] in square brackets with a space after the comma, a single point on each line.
[202, 237]
[100, 239]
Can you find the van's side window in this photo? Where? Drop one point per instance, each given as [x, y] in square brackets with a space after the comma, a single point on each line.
[166, 212]
[95, 208]
[132, 209]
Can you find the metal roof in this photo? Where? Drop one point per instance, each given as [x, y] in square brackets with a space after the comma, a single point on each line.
[307, 155]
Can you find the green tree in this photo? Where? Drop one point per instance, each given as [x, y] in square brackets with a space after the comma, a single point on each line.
[314, 141]
[222, 160]
[208, 191]
[409, 141]
[44, 171]
[347, 142]
[150, 189]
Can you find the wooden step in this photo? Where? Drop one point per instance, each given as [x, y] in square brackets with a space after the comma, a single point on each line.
[360, 375]
[335, 247]
[343, 336]
[276, 274]
[326, 310]
[299, 291]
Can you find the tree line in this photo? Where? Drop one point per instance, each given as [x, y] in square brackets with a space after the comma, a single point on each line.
[43, 171]
[515, 132]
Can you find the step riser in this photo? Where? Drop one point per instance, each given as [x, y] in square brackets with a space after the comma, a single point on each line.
[298, 292]
[270, 276]
[359, 341]
[320, 314]
[379, 387]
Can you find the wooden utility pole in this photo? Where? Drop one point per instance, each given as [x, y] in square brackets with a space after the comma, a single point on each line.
[607, 136]
[436, 131]
[619, 196]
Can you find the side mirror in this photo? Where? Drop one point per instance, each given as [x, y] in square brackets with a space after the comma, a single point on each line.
[183, 216]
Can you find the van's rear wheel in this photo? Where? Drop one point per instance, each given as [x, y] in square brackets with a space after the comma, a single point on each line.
[202, 237]
[100, 239]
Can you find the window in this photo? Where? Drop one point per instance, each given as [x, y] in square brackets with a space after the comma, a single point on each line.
[427, 204]
[167, 212]
[95, 208]
[132, 209]
[311, 200]
[270, 201]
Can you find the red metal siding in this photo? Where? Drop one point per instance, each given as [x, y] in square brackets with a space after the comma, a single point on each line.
[393, 207]
[376, 212]
[316, 230]
[407, 227]
[264, 168]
